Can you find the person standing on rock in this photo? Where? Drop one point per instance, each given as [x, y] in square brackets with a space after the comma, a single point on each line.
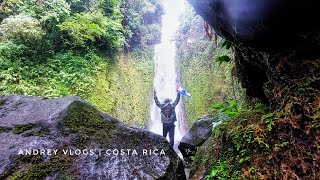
[168, 116]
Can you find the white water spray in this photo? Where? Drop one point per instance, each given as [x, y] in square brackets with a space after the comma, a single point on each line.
[165, 79]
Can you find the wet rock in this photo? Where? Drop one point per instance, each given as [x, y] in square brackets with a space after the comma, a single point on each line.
[68, 138]
[276, 44]
[198, 134]
[261, 23]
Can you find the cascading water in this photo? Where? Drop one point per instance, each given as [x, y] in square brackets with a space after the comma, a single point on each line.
[166, 79]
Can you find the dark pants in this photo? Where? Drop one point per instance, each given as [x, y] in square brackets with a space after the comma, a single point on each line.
[169, 128]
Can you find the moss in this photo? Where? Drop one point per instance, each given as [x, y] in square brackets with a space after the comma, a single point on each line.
[38, 131]
[31, 129]
[2, 101]
[20, 128]
[126, 86]
[9, 170]
[41, 170]
[85, 121]
[81, 117]
[207, 81]
[101, 96]
[5, 129]
[17, 162]
[132, 87]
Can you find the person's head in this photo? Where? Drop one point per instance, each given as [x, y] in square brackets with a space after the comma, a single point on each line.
[167, 100]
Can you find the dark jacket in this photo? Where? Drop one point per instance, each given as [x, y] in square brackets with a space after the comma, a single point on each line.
[172, 117]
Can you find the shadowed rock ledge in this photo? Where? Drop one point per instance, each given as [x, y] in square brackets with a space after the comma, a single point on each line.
[276, 44]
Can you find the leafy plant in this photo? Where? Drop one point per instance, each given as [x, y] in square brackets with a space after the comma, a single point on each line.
[226, 44]
[223, 58]
[89, 28]
[269, 119]
[244, 159]
[260, 106]
[11, 50]
[231, 108]
[21, 28]
[222, 170]
[283, 144]
[141, 22]
[48, 13]
[64, 74]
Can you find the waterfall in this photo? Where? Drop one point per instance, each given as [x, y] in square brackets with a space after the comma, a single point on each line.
[166, 77]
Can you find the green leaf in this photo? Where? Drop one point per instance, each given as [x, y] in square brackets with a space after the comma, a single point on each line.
[223, 58]
[226, 44]
[218, 106]
[230, 113]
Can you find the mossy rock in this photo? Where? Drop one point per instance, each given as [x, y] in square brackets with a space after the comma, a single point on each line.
[5, 129]
[20, 128]
[41, 169]
[31, 129]
[2, 101]
[71, 124]
[88, 123]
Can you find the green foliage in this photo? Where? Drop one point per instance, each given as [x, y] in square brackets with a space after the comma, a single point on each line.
[223, 58]
[235, 140]
[8, 7]
[260, 106]
[21, 28]
[269, 119]
[223, 170]
[101, 96]
[11, 51]
[125, 86]
[108, 6]
[87, 28]
[47, 12]
[283, 144]
[231, 108]
[149, 33]
[142, 22]
[50, 48]
[64, 74]
[226, 44]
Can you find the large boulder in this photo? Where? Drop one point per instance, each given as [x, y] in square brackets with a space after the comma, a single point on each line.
[200, 131]
[68, 138]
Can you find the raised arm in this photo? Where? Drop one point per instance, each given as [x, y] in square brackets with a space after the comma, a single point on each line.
[177, 100]
[156, 100]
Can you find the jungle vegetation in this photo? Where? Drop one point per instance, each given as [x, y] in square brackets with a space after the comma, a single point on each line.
[80, 47]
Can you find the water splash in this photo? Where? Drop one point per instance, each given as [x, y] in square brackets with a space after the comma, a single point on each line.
[166, 78]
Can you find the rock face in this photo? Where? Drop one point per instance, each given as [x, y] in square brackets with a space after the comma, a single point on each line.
[260, 23]
[68, 138]
[276, 43]
[200, 131]
[277, 56]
